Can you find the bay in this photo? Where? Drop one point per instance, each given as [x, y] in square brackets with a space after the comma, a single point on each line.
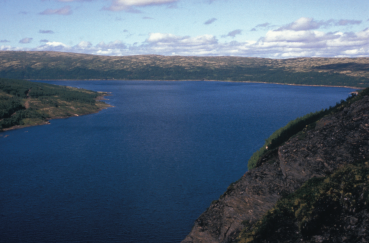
[145, 169]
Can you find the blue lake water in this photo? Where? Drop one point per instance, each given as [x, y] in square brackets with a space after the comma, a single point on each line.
[144, 170]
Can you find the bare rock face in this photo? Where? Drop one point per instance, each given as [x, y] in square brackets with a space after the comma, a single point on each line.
[337, 140]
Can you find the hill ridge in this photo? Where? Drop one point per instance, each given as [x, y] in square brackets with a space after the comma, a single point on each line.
[352, 72]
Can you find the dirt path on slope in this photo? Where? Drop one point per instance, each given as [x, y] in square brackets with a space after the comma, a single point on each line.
[26, 104]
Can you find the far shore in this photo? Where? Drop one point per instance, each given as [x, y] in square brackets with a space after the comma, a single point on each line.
[230, 81]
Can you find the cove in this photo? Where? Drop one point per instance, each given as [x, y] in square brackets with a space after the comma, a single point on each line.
[145, 169]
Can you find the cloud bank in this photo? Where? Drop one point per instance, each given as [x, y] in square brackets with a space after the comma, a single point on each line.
[304, 37]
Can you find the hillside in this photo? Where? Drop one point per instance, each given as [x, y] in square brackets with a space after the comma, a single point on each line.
[24, 103]
[311, 188]
[352, 72]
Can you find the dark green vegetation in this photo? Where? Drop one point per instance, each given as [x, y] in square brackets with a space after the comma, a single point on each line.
[330, 205]
[298, 127]
[24, 103]
[309, 71]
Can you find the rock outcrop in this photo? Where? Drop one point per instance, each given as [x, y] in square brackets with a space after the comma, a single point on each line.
[336, 140]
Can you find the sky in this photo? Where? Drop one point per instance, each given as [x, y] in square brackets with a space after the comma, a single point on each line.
[247, 28]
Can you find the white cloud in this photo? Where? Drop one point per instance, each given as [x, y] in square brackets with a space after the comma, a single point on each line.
[46, 32]
[167, 44]
[112, 45]
[347, 22]
[298, 39]
[84, 45]
[233, 33]
[314, 43]
[53, 46]
[156, 37]
[61, 11]
[128, 5]
[74, 0]
[311, 24]
[297, 36]
[113, 48]
[302, 24]
[26, 40]
[10, 48]
[210, 21]
[156, 43]
[275, 44]
[55, 43]
[262, 26]
[171, 41]
[143, 2]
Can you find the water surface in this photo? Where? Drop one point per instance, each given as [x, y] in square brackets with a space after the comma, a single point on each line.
[145, 169]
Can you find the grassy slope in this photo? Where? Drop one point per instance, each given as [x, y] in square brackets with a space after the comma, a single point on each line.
[309, 71]
[25, 103]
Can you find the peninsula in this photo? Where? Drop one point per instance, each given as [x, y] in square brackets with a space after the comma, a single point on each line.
[25, 103]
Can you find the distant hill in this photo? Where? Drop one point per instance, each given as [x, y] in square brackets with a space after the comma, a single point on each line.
[303, 71]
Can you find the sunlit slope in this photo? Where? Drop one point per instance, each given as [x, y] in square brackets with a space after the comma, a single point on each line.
[308, 71]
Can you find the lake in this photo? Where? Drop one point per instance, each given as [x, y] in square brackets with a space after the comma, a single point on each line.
[144, 170]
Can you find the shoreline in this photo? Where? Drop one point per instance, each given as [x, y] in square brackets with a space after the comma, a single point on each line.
[190, 80]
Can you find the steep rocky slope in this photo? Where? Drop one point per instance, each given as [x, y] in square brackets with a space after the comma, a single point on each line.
[336, 140]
